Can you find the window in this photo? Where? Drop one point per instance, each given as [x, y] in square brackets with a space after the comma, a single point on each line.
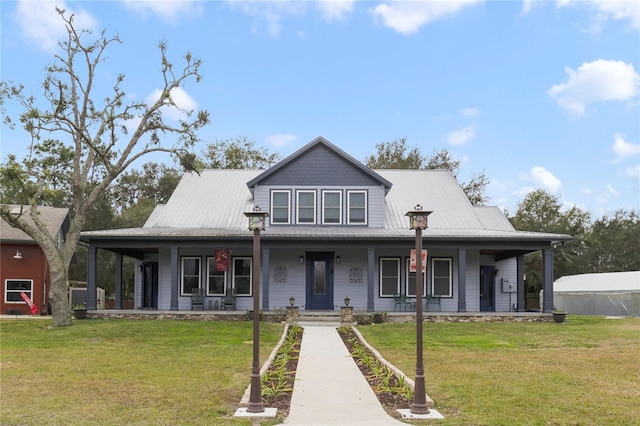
[332, 207]
[190, 275]
[280, 206]
[389, 276]
[13, 288]
[215, 279]
[242, 275]
[306, 202]
[441, 277]
[357, 207]
[411, 282]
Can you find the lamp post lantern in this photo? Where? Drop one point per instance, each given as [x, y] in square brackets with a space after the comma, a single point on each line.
[257, 220]
[418, 221]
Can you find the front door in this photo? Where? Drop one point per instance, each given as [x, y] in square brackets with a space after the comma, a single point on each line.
[487, 288]
[319, 281]
[150, 285]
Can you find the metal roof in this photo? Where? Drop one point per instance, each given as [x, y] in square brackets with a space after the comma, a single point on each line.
[212, 205]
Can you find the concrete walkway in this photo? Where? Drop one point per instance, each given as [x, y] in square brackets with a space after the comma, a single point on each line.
[329, 388]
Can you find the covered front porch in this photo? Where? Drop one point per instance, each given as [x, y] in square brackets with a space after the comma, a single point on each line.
[350, 270]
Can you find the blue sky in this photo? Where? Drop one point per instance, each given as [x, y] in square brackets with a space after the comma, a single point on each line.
[538, 94]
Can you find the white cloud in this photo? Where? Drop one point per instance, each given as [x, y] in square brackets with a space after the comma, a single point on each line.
[281, 139]
[528, 5]
[605, 10]
[336, 10]
[542, 178]
[633, 172]
[40, 23]
[268, 15]
[407, 17]
[597, 81]
[623, 149]
[461, 136]
[183, 101]
[470, 112]
[167, 10]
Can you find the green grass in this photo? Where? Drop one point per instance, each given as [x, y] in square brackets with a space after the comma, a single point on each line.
[583, 372]
[115, 372]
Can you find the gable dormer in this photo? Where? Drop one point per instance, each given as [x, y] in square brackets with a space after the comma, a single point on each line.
[320, 184]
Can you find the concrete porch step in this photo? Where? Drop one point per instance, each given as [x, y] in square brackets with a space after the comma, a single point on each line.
[326, 318]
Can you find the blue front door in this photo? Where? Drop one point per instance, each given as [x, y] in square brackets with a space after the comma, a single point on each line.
[319, 281]
[487, 288]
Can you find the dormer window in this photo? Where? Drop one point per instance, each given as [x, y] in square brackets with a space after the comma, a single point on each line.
[306, 203]
[332, 207]
[280, 207]
[357, 207]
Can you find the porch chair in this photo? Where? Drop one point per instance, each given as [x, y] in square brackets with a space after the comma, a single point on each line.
[228, 302]
[197, 299]
[433, 300]
[400, 302]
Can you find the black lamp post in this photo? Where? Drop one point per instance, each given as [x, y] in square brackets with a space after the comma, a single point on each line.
[257, 219]
[418, 221]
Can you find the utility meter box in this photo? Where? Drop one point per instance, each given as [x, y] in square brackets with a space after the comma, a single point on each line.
[508, 286]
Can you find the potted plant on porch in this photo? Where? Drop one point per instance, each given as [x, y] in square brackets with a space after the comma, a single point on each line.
[80, 311]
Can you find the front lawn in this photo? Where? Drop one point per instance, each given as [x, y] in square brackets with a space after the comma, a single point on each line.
[115, 372]
[583, 372]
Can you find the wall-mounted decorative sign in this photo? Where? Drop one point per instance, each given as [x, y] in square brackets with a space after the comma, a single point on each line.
[355, 274]
[279, 274]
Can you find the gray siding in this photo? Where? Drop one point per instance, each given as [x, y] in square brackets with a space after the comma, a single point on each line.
[375, 201]
[320, 166]
[507, 270]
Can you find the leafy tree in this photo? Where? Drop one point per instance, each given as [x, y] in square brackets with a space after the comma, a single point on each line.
[238, 153]
[540, 211]
[613, 243]
[97, 132]
[397, 155]
[51, 162]
[137, 192]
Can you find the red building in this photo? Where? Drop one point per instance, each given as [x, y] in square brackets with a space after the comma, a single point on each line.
[23, 265]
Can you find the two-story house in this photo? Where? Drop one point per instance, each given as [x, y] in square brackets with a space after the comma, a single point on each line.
[336, 229]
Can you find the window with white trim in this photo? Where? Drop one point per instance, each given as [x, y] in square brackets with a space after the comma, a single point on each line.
[357, 207]
[13, 288]
[332, 207]
[216, 280]
[441, 277]
[241, 280]
[411, 282]
[190, 276]
[389, 276]
[280, 207]
[306, 207]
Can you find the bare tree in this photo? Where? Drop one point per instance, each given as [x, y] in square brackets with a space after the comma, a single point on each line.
[105, 135]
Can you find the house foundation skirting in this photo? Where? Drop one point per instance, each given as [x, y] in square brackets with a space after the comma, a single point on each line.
[358, 317]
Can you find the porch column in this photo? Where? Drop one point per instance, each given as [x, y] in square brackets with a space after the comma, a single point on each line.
[118, 283]
[265, 278]
[462, 280]
[371, 259]
[92, 276]
[547, 280]
[522, 292]
[175, 278]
